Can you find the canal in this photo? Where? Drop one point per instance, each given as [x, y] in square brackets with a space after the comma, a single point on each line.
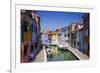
[59, 54]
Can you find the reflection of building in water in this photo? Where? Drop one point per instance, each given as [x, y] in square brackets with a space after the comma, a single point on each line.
[59, 54]
[30, 35]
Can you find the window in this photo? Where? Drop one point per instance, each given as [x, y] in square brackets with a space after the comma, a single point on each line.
[25, 27]
[78, 43]
[65, 35]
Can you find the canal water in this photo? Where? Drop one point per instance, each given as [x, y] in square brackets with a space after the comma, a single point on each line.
[59, 54]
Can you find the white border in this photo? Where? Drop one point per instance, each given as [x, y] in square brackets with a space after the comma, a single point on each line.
[15, 61]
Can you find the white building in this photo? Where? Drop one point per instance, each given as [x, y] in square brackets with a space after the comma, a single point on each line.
[64, 36]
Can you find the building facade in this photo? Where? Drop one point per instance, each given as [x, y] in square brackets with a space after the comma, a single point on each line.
[44, 38]
[72, 34]
[64, 36]
[55, 37]
[30, 35]
[86, 33]
[80, 38]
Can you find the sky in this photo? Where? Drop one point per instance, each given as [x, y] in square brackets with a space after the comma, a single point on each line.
[51, 20]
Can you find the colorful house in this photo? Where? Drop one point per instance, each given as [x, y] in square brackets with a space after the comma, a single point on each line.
[50, 36]
[64, 36]
[56, 37]
[73, 34]
[44, 38]
[80, 38]
[30, 35]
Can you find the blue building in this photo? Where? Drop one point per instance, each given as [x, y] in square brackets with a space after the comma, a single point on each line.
[64, 36]
[80, 38]
[34, 32]
[36, 41]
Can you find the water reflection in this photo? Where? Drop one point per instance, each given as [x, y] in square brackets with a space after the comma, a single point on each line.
[58, 54]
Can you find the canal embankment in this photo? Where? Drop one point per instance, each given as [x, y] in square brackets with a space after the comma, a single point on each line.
[41, 57]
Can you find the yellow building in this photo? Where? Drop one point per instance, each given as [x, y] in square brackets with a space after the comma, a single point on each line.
[55, 37]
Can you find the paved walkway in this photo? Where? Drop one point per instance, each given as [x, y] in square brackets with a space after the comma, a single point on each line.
[41, 57]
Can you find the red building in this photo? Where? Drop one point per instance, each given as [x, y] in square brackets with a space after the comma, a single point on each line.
[72, 34]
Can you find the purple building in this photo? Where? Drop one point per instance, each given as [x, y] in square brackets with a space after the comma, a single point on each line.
[44, 39]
